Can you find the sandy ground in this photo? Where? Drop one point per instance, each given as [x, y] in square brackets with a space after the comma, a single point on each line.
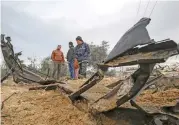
[41, 107]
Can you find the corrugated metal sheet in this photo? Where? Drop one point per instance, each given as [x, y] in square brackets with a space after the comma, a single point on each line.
[137, 35]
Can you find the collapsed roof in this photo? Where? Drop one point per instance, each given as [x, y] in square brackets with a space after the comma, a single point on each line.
[137, 39]
[136, 35]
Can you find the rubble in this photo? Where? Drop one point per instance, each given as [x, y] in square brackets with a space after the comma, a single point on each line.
[134, 48]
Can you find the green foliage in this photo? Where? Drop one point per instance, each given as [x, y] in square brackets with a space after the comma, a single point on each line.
[33, 63]
[45, 64]
[22, 63]
[98, 53]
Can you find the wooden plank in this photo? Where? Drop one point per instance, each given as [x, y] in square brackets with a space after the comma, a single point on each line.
[148, 57]
[89, 80]
[114, 84]
[46, 87]
[112, 92]
[84, 88]
[52, 87]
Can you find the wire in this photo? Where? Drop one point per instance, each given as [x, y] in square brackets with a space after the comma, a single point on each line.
[146, 7]
[152, 9]
[137, 11]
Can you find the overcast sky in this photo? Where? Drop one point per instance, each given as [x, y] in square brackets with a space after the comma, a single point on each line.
[37, 27]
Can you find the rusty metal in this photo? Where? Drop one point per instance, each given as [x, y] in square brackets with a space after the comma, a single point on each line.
[149, 83]
[112, 92]
[127, 52]
[13, 63]
[136, 35]
[114, 84]
[148, 57]
[134, 48]
[140, 77]
[97, 78]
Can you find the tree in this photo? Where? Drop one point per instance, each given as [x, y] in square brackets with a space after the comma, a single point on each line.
[98, 53]
[33, 64]
[45, 64]
[22, 63]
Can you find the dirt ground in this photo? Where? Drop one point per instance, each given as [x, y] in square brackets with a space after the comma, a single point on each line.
[41, 107]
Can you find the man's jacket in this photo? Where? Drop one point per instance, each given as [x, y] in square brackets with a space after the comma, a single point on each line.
[82, 52]
[71, 54]
[57, 56]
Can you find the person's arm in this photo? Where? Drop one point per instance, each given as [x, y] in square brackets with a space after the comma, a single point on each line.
[63, 59]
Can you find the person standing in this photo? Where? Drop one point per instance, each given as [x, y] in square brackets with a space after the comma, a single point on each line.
[58, 60]
[70, 59]
[82, 53]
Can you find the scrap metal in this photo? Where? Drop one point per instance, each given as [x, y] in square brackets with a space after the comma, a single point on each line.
[134, 48]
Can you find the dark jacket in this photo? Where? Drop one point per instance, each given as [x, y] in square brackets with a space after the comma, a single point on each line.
[71, 54]
[82, 52]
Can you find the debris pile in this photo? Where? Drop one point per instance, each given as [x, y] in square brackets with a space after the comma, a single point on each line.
[134, 48]
[53, 108]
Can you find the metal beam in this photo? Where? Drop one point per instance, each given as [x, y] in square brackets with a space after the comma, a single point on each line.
[99, 76]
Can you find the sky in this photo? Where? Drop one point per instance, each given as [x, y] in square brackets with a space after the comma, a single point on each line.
[37, 27]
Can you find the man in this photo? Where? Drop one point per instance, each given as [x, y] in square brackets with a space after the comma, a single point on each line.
[70, 59]
[82, 52]
[58, 60]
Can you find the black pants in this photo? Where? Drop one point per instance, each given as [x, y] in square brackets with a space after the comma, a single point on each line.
[83, 68]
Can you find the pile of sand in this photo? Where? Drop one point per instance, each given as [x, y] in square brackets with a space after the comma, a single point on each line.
[41, 107]
[164, 98]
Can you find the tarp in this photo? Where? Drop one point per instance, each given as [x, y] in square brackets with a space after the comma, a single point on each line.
[137, 35]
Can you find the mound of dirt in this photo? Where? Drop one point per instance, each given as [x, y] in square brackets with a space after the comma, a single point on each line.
[162, 98]
[41, 107]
